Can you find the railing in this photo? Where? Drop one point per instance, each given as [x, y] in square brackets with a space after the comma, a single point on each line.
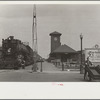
[67, 65]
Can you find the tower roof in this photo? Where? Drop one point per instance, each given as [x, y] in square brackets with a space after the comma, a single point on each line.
[64, 49]
[55, 33]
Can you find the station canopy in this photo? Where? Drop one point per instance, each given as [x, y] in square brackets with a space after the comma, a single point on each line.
[64, 49]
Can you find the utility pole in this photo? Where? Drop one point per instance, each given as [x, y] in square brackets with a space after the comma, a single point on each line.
[34, 38]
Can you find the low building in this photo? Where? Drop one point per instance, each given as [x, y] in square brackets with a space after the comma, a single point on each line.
[63, 53]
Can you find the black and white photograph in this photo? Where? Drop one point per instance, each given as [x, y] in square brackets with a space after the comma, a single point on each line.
[49, 50]
[49, 43]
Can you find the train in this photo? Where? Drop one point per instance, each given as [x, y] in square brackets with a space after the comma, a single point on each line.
[14, 52]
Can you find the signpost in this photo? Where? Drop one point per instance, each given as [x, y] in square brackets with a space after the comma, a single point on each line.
[93, 54]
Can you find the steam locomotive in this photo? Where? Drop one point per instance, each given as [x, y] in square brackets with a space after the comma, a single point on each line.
[14, 52]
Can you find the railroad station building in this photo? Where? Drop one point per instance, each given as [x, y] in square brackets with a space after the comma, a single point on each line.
[62, 53]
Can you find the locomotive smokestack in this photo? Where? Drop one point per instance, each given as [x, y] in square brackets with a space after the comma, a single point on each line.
[11, 37]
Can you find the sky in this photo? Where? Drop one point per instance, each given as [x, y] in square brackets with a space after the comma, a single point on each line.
[68, 19]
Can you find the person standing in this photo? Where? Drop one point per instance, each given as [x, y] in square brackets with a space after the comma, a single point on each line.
[23, 64]
[34, 66]
[88, 63]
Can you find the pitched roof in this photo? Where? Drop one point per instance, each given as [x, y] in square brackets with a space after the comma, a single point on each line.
[55, 33]
[64, 49]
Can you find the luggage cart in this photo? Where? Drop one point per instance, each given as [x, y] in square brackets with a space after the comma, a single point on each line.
[93, 73]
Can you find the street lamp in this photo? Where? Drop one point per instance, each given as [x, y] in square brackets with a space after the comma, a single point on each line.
[81, 67]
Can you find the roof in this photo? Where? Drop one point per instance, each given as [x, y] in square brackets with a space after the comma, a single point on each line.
[64, 49]
[55, 33]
